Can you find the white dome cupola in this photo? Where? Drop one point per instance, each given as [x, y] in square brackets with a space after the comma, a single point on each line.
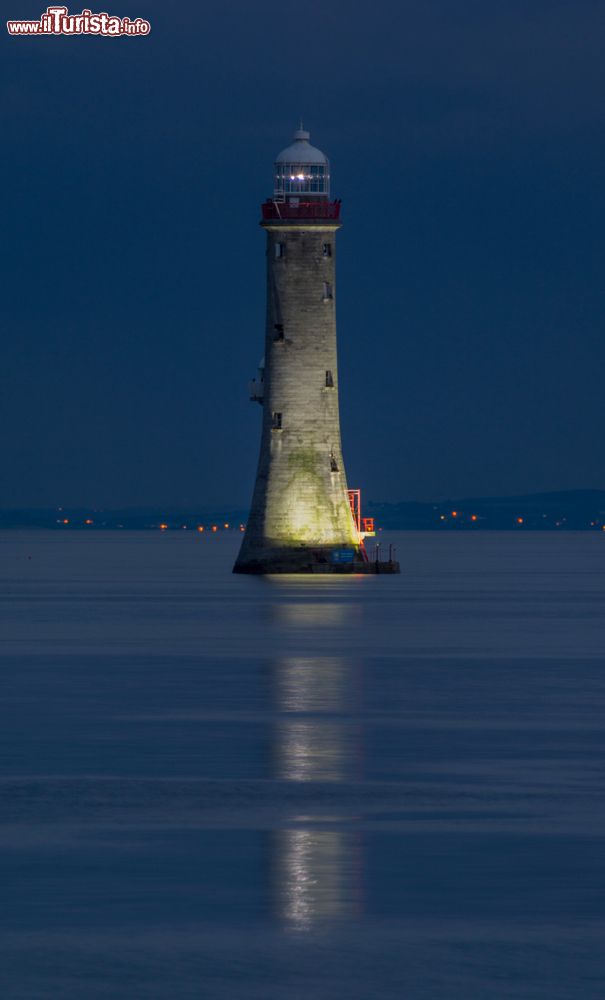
[302, 170]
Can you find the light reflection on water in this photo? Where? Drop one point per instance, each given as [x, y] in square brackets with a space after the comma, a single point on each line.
[316, 684]
[317, 876]
[322, 601]
[316, 870]
[312, 615]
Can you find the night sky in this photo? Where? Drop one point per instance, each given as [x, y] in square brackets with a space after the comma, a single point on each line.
[467, 144]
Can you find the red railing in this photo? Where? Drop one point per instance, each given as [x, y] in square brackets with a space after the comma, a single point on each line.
[355, 502]
[303, 210]
[364, 525]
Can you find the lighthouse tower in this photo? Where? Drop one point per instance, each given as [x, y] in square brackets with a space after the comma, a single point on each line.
[300, 520]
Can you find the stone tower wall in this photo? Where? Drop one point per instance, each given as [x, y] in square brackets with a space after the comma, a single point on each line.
[300, 498]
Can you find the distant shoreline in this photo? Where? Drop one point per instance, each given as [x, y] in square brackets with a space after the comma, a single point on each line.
[574, 510]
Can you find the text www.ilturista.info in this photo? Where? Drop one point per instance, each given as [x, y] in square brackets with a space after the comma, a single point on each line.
[57, 21]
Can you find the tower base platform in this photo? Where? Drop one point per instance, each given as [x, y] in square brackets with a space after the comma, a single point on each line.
[367, 569]
[309, 561]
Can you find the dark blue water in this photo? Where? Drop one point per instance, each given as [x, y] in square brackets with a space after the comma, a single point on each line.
[218, 786]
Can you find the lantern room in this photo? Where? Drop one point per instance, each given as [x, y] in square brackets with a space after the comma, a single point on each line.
[301, 171]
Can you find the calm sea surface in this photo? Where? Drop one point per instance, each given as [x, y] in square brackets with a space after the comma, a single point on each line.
[377, 787]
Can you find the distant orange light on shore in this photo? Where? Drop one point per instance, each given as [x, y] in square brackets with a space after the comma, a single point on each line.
[200, 527]
[519, 520]
[473, 517]
[225, 526]
[163, 527]
[88, 521]
[454, 513]
[65, 520]
[242, 527]
[214, 527]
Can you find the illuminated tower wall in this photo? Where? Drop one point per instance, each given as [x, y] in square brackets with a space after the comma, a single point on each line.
[300, 518]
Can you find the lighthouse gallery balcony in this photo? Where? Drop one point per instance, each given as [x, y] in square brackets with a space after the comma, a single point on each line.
[296, 208]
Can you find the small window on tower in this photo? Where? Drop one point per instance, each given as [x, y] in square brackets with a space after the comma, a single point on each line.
[279, 331]
[280, 249]
[329, 380]
[327, 291]
[333, 463]
[327, 249]
[276, 422]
